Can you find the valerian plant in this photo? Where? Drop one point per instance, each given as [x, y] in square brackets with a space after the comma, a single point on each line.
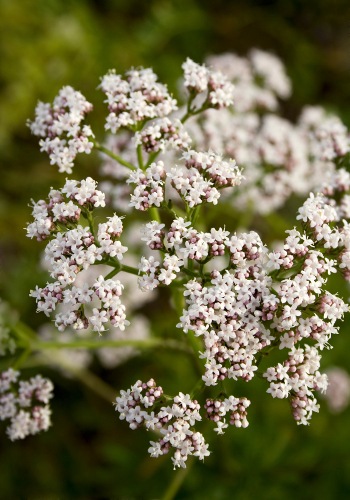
[239, 299]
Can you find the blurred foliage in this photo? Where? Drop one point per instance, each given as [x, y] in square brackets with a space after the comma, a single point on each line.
[88, 453]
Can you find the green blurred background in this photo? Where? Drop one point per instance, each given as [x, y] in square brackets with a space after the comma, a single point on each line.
[88, 453]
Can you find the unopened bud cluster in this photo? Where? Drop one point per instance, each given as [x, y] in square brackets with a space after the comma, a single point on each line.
[217, 410]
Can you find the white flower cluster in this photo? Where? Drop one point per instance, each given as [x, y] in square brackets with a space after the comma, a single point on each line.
[72, 249]
[279, 158]
[221, 172]
[260, 79]
[274, 153]
[175, 423]
[161, 134]
[181, 244]
[153, 274]
[298, 377]
[200, 181]
[226, 312]
[204, 175]
[25, 404]
[199, 79]
[152, 233]
[218, 408]
[135, 99]
[111, 309]
[149, 190]
[329, 138]
[110, 357]
[61, 129]
[155, 138]
[107, 292]
[241, 299]
[107, 233]
[64, 207]
[326, 215]
[248, 306]
[244, 309]
[132, 403]
[193, 188]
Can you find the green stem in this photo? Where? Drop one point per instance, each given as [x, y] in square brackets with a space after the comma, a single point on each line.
[178, 300]
[246, 217]
[189, 271]
[28, 337]
[94, 383]
[260, 356]
[186, 117]
[195, 214]
[193, 112]
[113, 273]
[118, 267]
[175, 213]
[24, 334]
[98, 344]
[154, 213]
[22, 358]
[177, 481]
[139, 156]
[152, 157]
[188, 108]
[130, 270]
[196, 346]
[91, 222]
[85, 376]
[197, 388]
[114, 156]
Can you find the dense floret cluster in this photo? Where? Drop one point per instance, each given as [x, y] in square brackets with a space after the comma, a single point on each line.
[212, 86]
[134, 99]
[162, 134]
[24, 404]
[174, 423]
[217, 410]
[73, 248]
[237, 297]
[61, 129]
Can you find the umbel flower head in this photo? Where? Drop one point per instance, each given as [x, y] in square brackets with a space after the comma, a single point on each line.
[174, 167]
